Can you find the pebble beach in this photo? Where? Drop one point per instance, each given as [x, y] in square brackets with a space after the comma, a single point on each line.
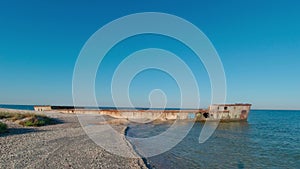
[62, 145]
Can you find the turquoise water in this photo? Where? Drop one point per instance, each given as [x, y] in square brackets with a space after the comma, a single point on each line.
[270, 139]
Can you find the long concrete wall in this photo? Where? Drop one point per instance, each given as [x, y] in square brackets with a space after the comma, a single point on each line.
[223, 112]
[140, 114]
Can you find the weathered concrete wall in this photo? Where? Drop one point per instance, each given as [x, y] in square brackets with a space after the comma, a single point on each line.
[154, 114]
[223, 112]
[42, 108]
[140, 114]
[161, 115]
[228, 112]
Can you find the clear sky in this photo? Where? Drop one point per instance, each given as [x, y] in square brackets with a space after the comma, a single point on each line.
[257, 41]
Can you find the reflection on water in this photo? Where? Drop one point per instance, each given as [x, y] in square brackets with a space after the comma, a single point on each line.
[269, 139]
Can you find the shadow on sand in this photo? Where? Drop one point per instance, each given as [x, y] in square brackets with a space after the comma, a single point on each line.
[17, 131]
[55, 121]
[25, 130]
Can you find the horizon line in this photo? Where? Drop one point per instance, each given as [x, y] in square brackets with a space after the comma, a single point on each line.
[124, 107]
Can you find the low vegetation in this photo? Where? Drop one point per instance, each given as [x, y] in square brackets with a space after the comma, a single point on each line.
[3, 127]
[27, 119]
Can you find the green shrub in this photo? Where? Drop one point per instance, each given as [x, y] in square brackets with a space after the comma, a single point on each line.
[27, 119]
[36, 121]
[28, 123]
[3, 127]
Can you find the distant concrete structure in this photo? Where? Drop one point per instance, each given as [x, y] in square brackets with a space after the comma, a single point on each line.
[55, 108]
[42, 108]
[227, 112]
[215, 112]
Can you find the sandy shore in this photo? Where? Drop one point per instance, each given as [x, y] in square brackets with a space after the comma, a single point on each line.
[63, 145]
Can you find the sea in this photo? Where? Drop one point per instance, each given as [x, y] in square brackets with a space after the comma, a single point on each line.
[269, 139]
[31, 107]
[17, 107]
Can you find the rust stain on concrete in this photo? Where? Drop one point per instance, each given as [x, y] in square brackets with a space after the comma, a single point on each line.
[215, 112]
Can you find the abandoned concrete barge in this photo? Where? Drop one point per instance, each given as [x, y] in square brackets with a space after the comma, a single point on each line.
[215, 112]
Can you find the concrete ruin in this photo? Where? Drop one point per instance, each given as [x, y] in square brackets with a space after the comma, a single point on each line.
[227, 112]
[43, 108]
[215, 112]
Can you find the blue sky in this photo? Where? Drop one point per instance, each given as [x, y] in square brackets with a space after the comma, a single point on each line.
[257, 41]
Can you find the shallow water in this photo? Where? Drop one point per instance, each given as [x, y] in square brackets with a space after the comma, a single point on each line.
[270, 139]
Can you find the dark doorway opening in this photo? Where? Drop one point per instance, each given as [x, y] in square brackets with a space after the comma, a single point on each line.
[206, 115]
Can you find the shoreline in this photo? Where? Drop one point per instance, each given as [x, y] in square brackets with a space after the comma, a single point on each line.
[58, 146]
[145, 161]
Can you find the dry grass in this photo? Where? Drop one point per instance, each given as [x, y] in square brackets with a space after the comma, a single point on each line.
[27, 119]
